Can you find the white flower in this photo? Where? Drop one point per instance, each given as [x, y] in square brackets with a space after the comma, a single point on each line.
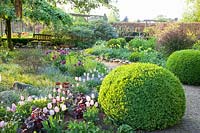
[60, 87]
[58, 99]
[96, 104]
[76, 78]
[59, 90]
[88, 98]
[8, 108]
[50, 96]
[63, 92]
[13, 109]
[79, 79]
[63, 107]
[92, 102]
[45, 110]
[83, 80]
[77, 85]
[63, 98]
[51, 112]
[56, 109]
[87, 104]
[88, 78]
[22, 98]
[54, 90]
[92, 75]
[54, 100]
[84, 74]
[0, 78]
[49, 105]
[92, 96]
[30, 98]
[2, 124]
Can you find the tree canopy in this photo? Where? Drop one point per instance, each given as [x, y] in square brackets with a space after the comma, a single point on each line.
[192, 13]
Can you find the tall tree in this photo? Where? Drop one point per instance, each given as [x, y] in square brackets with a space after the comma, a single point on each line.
[192, 13]
[42, 10]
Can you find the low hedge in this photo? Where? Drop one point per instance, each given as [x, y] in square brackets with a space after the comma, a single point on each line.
[144, 96]
[185, 64]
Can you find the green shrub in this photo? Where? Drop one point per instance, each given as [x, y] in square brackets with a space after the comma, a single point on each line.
[144, 96]
[172, 39]
[82, 127]
[103, 30]
[185, 64]
[134, 57]
[91, 114]
[196, 45]
[139, 44]
[122, 42]
[113, 43]
[26, 109]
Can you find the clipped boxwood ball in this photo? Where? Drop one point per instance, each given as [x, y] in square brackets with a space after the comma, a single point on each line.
[144, 96]
[185, 64]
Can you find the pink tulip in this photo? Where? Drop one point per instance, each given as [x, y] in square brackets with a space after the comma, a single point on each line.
[13, 109]
[30, 98]
[54, 100]
[56, 109]
[45, 110]
[22, 98]
[2, 124]
[49, 105]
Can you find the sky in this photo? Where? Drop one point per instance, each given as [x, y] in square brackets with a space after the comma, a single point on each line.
[148, 9]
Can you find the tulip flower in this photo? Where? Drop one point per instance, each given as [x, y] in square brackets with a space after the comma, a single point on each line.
[51, 112]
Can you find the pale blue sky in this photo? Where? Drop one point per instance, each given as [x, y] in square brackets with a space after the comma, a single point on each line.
[148, 9]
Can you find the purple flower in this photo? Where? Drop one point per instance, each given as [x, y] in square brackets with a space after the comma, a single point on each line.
[48, 52]
[63, 62]
[79, 63]
[54, 57]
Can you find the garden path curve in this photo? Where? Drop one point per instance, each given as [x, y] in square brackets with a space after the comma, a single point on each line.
[191, 119]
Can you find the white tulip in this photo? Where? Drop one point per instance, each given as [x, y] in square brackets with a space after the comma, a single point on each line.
[51, 112]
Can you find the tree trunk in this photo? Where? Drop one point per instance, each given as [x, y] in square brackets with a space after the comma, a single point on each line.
[8, 27]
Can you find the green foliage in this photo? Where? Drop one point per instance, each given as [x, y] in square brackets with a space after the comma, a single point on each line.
[124, 128]
[113, 43]
[192, 12]
[101, 50]
[152, 56]
[30, 60]
[116, 43]
[26, 109]
[5, 115]
[134, 57]
[174, 38]
[185, 64]
[84, 127]
[38, 10]
[122, 42]
[103, 30]
[144, 96]
[91, 114]
[196, 45]
[139, 44]
[53, 125]
[81, 36]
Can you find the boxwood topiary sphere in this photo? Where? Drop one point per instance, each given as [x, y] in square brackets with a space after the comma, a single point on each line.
[144, 96]
[185, 64]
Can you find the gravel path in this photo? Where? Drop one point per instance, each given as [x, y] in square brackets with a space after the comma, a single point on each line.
[191, 120]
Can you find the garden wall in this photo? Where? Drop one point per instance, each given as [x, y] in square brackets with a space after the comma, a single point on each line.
[123, 28]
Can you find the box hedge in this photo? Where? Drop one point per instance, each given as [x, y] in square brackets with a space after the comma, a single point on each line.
[185, 64]
[144, 96]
